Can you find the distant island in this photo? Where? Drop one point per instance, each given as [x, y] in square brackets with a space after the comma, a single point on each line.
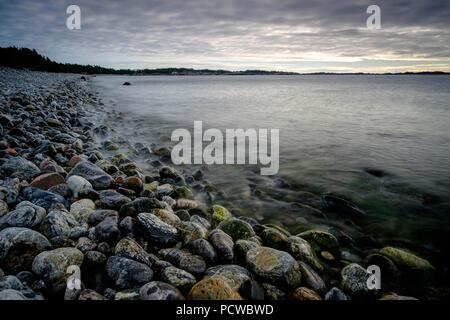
[25, 58]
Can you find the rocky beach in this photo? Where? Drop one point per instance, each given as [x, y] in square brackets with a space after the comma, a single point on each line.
[72, 199]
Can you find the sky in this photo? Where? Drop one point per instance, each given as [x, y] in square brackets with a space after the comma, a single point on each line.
[285, 35]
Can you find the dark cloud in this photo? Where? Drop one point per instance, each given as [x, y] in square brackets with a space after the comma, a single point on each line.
[310, 35]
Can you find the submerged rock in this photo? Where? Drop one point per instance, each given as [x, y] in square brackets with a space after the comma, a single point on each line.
[406, 260]
[321, 238]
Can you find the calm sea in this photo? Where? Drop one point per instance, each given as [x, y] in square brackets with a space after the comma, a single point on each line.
[381, 141]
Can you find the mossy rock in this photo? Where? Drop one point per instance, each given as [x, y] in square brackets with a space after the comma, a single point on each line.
[277, 227]
[219, 214]
[213, 288]
[151, 186]
[184, 192]
[274, 238]
[301, 250]
[406, 260]
[237, 229]
[120, 159]
[322, 239]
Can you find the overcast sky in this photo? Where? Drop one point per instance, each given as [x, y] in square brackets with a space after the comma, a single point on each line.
[288, 35]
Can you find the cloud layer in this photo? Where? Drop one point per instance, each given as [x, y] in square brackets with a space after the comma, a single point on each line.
[291, 35]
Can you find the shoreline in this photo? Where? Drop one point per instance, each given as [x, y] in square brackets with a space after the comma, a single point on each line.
[129, 232]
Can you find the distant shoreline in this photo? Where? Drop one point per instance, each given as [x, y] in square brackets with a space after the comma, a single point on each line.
[30, 59]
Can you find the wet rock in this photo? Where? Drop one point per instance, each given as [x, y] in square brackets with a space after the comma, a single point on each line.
[303, 293]
[219, 214]
[236, 276]
[394, 296]
[14, 283]
[21, 168]
[237, 229]
[9, 190]
[82, 209]
[132, 294]
[26, 215]
[78, 185]
[96, 176]
[336, 294]
[321, 238]
[88, 294]
[85, 244]
[389, 270]
[187, 204]
[128, 248]
[168, 172]
[111, 199]
[213, 288]
[272, 292]
[204, 249]
[311, 279]
[167, 216]
[19, 246]
[406, 260]
[191, 231]
[242, 247]
[45, 199]
[3, 208]
[127, 273]
[51, 266]
[300, 249]
[133, 183]
[156, 230]
[184, 260]
[108, 230]
[140, 205]
[157, 290]
[58, 223]
[223, 244]
[274, 266]
[47, 180]
[94, 259]
[179, 278]
[274, 238]
[336, 204]
[127, 226]
[354, 280]
[10, 294]
[50, 166]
